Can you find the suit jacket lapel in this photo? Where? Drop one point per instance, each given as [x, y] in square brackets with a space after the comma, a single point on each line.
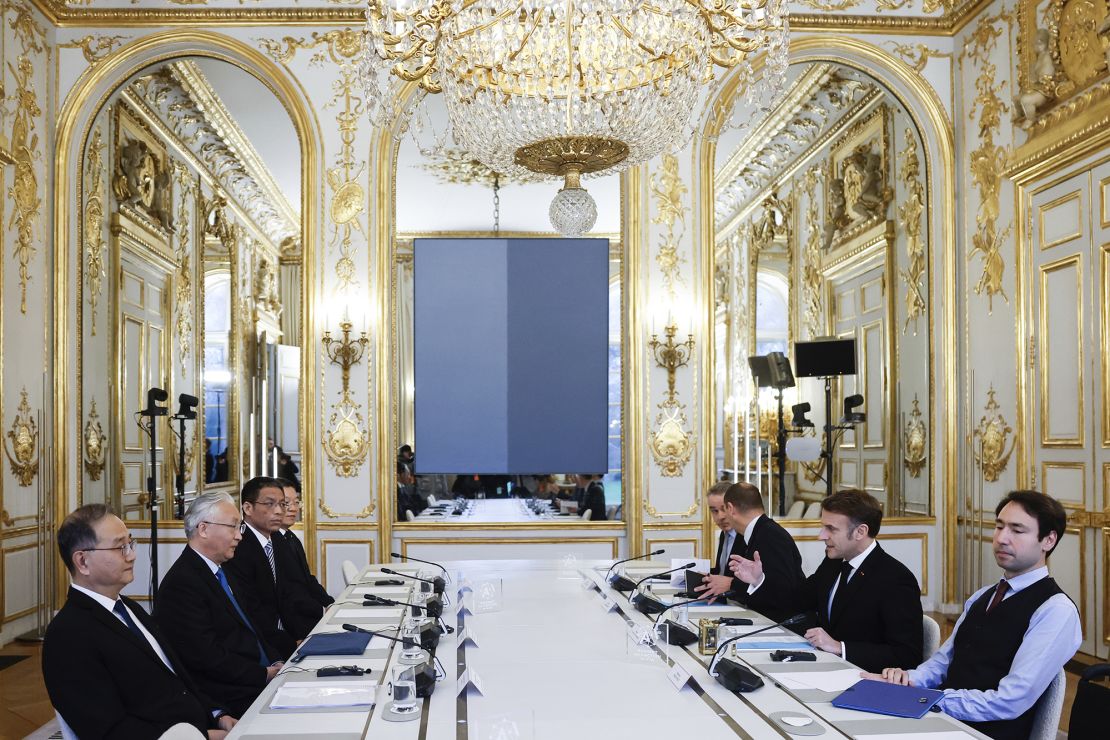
[854, 584]
[115, 626]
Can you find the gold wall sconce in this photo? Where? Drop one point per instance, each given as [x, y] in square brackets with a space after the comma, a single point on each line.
[24, 441]
[345, 352]
[671, 356]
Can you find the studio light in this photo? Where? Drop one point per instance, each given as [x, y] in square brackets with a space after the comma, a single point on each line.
[853, 417]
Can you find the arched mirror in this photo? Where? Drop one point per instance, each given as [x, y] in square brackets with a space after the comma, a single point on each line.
[821, 231]
[190, 282]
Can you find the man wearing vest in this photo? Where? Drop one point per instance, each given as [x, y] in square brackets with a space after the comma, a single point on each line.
[1014, 636]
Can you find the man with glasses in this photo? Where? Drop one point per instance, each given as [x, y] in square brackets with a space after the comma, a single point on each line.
[199, 608]
[272, 602]
[108, 669]
[292, 559]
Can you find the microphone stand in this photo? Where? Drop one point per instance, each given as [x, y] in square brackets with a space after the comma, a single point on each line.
[179, 479]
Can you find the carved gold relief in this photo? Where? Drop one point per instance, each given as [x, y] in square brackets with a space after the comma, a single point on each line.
[333, 514]
[183, 283]
[94, 48]
[672, 442]
[858, 194]
[918, 55]
[266, 295]
[22, 443]
[93, 439]
[993, 432]
[813, 313]
[24, 191]
[915, 442]
[832, 5]
[909, 214]
[346, 438]
[456, 166]
[1081, 50]
[341, 46]
[984, 37]
[93, 226]
[986, 165]
[668, 189]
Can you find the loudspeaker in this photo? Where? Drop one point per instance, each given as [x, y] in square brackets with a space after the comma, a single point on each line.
[825, 357]
[781, 377]
[761, 370]
[736, 677]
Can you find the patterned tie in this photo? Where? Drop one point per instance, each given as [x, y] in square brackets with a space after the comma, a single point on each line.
[999, 593]
[239, 610]
[269, 548]
[121, 611]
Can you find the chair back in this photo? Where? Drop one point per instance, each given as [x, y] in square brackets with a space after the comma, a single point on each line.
[1046, 717]
[1089, 710]
[409, 515]
[814, 511]
[931, 631]
[350, 572]
[795, 510]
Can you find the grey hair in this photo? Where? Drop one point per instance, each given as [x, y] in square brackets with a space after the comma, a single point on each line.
[719, 488]
[201, 510]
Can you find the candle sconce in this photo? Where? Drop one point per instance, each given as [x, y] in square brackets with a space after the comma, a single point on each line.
[671, 356]
[345, 352]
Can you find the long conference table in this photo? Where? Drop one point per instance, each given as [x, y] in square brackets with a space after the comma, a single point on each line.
[548, 650]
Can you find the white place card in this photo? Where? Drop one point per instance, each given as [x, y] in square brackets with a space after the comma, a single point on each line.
[678, 676]
[608, 604]
[465, 606]
[470, 679]
[588, 584]
[467, 634]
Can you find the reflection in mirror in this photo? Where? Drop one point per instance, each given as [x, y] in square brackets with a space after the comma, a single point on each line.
[190, 232]
[821, 231]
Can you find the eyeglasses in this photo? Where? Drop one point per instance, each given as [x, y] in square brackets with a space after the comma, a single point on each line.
[241, 526]
[126, 548]
[269, 504]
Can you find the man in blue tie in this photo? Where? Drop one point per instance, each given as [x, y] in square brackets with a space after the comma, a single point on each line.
[729, 542]
[108, 668]
[199, 607]
[1014, 635]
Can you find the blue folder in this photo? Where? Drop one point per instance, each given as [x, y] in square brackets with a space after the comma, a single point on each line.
[334, 643]
[888, 698]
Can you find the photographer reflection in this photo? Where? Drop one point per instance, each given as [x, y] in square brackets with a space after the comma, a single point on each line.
[409, 502]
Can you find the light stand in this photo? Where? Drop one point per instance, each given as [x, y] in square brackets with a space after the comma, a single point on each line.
[154, 396]
[773, 371]
[186, 410]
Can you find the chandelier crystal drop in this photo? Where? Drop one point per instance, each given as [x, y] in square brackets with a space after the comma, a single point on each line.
[565, 88]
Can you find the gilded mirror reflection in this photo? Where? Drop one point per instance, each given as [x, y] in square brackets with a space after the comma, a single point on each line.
[190, 227]
[821, 231]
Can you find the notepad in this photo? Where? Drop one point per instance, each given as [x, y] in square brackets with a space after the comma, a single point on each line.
[304, 695]
[334, 643]
[821, 680]
[888, 698]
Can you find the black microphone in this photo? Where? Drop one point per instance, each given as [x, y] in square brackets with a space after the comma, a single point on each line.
[646, 605]
[425, 673]
[155, 396]
[438, 584]
[624, 583]
[680, 634]
[418, 560]
[734, 676]
[434, 607]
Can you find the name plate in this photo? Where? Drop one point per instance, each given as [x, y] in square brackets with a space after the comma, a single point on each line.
[470, 679]
[678, 676]
[467, 634]
[588, 584]
[608, 604]
[465, 606]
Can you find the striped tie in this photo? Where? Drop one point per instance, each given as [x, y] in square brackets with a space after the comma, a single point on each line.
[269, 548]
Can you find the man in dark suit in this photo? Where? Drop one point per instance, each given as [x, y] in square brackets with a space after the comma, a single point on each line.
[765, 539]
[592, 498]
[728, 543]
[198, 608]
[273, 604]
[108, 669]
[292, 558]
[868, 604]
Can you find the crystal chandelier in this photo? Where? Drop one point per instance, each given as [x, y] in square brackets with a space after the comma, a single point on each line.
[567, 88]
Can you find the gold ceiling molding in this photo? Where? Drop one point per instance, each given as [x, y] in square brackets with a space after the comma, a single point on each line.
[94, 48]
[918, 55]
[22, 444]
[343, 46]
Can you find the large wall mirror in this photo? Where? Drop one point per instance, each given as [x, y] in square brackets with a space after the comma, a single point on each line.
[190, 281]
[822, 231]
[441, 192]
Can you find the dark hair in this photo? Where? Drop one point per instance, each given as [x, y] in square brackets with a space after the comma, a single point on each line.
[859, 506]
[286, 483]
[403, 469]
[744, 497]
[254, 486]
[1048, 512]
[76, 531]
[404, 449]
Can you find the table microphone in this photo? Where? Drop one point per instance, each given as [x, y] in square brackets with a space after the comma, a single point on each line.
[425, 673]
[418, 560]
[438, 584]
[624, 583]
[646, 605]
[680, 634]
[434, 607]
[734, 676]
[429, 636]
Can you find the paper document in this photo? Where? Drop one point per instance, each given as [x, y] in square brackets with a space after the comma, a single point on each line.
[368, 612]
[822, 680]
[949, 735]
[303, 695]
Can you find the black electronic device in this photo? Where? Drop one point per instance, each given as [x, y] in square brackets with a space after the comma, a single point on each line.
[646, 604]
[693, 579]
[389, 582]
[735, 622]
[792, 656]
[624, 583]
[680, 634]
[821, 358]
[434, 607]
[339, 670]
[761, 370]
[779, 367]
[800, 410]
[734, 676]
[438, 584]
[399, 556]
[154, 397]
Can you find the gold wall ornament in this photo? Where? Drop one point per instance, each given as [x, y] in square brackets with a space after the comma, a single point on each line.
[183, 282]
[882, 5]
[1039, 86]
[672, 443]
[668, 189]
[671, 356]
[915, 442]
[992, 434]
[24, 191]
[812, 282]
[918, 55]
[93, 440]
[455, 166]
[333, 514]
[1080, 46]
[984, 38]
[832, 6]
[346, 440]
[94, 48]
[348, 197]
[987, 163]
[342, 46]
[93, 225]
[345, 352]
[909, 215]
[22, 444]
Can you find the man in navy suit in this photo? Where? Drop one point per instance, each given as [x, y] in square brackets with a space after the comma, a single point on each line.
[868, 604]
[199, 608]
[292, 555]
[109, 671]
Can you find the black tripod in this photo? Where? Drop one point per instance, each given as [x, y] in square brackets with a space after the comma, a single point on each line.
[186, 411]
[154, 396]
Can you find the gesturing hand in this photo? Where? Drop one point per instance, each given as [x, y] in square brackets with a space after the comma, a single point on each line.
[713, 586]
[748, 571]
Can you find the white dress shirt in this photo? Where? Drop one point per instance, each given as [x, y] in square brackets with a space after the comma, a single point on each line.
[110, 605]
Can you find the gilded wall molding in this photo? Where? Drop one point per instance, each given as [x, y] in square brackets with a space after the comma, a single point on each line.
[183, 277]
[93, 447]
[812, 282]
[94, 48]
[909, 215]
[992, 433]
[915, 442]
[93, 225]
[668, 190]
[917, 55]
[22, 443]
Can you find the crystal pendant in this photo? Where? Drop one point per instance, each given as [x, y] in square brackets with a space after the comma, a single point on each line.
[573, 212]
